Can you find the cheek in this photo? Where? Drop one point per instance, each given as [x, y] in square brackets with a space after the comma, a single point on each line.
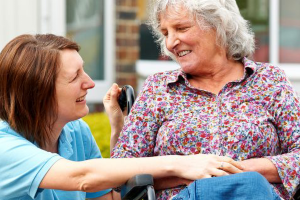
[66, 98]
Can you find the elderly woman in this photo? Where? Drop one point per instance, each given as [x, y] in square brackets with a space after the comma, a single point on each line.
[219, 103]
[46, 151]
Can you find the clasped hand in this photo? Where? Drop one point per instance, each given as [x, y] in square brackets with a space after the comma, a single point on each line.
[208, 165]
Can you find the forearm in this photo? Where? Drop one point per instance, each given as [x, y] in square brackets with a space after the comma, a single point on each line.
[115, 133]
[98, 174]
[264, 166]
[115, 172]
[113, 139]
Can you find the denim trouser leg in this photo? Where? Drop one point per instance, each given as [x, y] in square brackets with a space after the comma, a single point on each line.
[242, 186]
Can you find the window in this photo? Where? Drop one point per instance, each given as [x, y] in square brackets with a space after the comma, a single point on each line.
[284, 43]
[85, 25]
[257, 13]
[149, 50]
[289, 31]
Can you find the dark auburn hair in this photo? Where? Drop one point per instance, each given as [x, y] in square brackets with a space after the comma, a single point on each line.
[28, 70]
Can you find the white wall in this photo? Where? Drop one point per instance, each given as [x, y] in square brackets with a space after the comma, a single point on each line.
[17, 17]
[30, 17]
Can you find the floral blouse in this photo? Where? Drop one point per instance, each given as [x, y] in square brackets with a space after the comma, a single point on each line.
[257, 116]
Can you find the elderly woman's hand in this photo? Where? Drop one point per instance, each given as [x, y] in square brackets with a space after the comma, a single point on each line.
[114, 112]
[198, 167]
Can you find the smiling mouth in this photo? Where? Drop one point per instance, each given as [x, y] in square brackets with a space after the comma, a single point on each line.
[183, 53]
[81, 98]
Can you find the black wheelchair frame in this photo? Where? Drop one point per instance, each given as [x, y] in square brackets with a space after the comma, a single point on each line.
[139, 187]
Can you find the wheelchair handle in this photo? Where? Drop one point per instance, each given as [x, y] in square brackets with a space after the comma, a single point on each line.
[126, 98]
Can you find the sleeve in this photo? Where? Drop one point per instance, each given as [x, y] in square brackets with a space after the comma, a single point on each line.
[287, 121]
[22, 166]
[137, 139]
[92, 151]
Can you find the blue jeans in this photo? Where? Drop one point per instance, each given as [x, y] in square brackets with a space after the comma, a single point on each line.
[242, 186]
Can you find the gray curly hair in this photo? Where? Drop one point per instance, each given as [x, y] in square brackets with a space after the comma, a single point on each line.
[233, 31]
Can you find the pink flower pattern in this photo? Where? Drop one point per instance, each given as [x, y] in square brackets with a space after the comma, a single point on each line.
[257, 116]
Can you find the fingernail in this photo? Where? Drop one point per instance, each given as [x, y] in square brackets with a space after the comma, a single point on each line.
[115, 85]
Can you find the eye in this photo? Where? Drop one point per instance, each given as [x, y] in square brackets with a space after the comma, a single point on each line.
[164, 32]
[77, 74]
[182, 28]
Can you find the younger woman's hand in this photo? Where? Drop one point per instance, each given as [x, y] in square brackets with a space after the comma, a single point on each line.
[207, 165]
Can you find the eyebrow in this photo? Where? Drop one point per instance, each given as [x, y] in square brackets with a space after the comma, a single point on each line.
[180, 23]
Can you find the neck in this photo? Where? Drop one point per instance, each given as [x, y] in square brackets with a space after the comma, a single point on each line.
[221, 74]
[56, 131]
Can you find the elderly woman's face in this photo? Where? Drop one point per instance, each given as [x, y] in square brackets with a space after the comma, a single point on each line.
[194, 49]
[71, 87]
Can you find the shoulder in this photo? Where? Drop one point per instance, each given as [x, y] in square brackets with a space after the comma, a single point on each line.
[166, 76]
[267, 73]
[8, 136]
[22, 165]
[266, 69]
[158, 82]
[271, 78]
[270, 69]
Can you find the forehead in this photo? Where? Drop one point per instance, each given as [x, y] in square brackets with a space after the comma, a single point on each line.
[71, 61]
[175, 15]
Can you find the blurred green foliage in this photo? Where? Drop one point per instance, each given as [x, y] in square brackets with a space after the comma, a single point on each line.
[100, 127]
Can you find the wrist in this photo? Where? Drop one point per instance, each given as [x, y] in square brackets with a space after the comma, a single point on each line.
[172, 168]
[115, 132]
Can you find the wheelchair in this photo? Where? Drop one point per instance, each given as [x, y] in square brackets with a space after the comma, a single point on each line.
[139, 187]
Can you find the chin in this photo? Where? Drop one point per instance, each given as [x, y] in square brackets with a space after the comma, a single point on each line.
[187, 69]
[86, 112]
[83, 113]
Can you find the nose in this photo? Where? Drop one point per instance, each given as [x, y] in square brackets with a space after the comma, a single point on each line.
[88, 82]
[171, 42]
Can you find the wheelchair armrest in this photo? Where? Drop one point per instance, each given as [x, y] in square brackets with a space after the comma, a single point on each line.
[138, 187]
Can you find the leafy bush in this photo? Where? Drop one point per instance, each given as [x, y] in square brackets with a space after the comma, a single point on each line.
[100, 127]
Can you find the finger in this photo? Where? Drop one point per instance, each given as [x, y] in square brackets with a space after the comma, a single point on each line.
[108, 94]
[114, 93]
[206, 176]
[229, 168]
[232, 162]
[218, 172]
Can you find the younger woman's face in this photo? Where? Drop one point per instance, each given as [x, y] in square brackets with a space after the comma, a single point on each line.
[72, 85]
